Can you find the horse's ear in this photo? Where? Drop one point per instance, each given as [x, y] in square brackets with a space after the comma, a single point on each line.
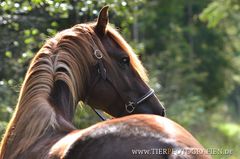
[102, 21]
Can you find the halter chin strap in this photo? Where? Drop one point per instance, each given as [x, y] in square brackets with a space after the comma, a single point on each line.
[99, 114]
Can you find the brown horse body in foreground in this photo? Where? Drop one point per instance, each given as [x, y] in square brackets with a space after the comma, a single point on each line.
[131, 137]
[94, 64]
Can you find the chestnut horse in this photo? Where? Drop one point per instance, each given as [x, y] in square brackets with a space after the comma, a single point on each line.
[94, 64]
[88, 62]
[130, 137]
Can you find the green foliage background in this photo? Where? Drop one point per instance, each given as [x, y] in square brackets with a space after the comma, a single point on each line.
[191, 49]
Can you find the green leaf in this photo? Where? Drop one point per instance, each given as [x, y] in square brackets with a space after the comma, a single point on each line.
[35, 31]
[230, 129]
[27, 32]
[8, 54]
[54, 24]
[29, 40]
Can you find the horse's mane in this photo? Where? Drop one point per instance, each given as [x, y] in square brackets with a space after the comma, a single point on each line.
[53, 85]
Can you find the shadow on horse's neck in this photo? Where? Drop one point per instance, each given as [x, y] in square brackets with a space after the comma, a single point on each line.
[62, 100]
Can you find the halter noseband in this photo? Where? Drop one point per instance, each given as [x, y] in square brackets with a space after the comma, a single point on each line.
[131, 105]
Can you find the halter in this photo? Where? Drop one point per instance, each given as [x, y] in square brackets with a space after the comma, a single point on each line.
[130, 105]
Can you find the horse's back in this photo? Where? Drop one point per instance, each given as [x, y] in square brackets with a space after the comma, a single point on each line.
[137, 136]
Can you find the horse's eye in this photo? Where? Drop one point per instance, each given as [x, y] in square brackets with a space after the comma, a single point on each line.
[125, 60]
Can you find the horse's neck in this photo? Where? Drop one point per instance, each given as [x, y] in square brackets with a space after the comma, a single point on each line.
[43, 109]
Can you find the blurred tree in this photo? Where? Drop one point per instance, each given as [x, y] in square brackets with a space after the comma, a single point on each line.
[194, 66]
[225, 15]
[192, 60]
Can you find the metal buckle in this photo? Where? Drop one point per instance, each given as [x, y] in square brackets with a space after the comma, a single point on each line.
[98, 54]
[130, 107]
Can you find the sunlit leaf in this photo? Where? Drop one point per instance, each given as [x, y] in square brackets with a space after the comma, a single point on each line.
[8, 54]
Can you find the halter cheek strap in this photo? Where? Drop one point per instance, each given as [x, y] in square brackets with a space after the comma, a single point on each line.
[103, 74]
[101, 68]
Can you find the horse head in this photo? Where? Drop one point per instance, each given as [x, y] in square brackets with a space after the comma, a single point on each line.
[118, 84]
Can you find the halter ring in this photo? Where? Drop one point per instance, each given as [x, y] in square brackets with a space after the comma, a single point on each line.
[98, 54]
[130, 107]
